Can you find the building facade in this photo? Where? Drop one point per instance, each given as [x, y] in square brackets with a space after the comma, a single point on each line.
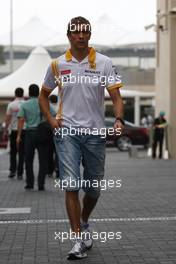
[166, 67]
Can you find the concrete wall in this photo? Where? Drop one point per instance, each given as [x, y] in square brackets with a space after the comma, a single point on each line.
[166, 68]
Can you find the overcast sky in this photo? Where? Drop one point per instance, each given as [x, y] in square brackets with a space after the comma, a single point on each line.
[128, 14]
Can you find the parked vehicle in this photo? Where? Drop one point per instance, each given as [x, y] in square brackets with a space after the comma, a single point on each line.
[132, 135]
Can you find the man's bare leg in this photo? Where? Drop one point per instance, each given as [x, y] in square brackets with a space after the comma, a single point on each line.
[88, 206]
[73, 209]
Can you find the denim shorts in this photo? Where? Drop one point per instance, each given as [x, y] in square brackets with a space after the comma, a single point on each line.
[74, 149]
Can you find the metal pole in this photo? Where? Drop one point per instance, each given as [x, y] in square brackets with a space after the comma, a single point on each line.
[11, 35]
[137, 110]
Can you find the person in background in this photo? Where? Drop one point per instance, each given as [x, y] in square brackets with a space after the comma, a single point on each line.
[54, 102]
[16, 155]
[30, 113]
[150, 120]
[144, 121]
[158, 136]
[147, 120]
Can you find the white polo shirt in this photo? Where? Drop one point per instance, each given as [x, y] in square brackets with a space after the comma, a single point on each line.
[12, 110]
[83, 85]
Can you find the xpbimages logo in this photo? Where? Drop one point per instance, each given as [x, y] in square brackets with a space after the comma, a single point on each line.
[72, 131]
[87, 78]
[101, 184]
[83, 27]
[102, 236]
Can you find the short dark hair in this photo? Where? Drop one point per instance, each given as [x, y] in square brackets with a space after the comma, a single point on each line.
[33, 90]
[78, 21]
[19, 92]
[53, 99]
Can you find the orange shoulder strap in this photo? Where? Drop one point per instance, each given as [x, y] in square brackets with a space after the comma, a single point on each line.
[54, 67]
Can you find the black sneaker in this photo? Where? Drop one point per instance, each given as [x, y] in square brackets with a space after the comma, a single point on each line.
[11, 175]
[41, 188]
[19, 177]
[28, 187]
[78, 250]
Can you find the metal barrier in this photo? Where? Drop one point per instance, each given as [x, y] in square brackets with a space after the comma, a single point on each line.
[133, 151]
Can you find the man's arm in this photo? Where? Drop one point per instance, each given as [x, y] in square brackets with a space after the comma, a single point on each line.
[118, 106]
[21, 119]
[8, 118]
[20, 128]
[162, 125]
[45, 108]
[158, 125]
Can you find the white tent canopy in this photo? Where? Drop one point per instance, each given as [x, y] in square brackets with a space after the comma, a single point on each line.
[105, 31]
[32, 71]
[33, 33]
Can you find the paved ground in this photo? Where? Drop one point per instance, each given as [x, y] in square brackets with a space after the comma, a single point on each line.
[143, 210]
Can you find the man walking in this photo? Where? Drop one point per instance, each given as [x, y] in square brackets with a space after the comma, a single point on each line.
[11, 120]
[30, 113]
[84, 73]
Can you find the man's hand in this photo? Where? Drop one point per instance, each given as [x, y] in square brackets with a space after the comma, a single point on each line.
[18, 140]
[161, 125]
[55, 123]
[118, 126]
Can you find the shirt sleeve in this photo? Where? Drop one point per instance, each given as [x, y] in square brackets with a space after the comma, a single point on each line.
[113, 79]
[21, 112]
[49, 80]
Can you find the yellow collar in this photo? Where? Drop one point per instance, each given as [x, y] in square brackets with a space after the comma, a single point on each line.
[91, 57]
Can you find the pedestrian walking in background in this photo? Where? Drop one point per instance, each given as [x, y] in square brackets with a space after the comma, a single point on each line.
[11, 120]
[31, 114]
